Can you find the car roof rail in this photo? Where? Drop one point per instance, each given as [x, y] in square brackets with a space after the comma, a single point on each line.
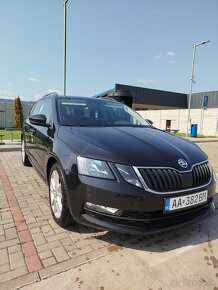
[50, 94]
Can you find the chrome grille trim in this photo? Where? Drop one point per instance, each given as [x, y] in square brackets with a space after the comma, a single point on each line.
[172, 177]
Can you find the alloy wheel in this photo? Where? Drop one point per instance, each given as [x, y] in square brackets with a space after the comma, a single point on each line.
[56, 194]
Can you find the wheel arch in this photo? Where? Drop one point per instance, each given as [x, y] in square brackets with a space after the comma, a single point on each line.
[51, 161]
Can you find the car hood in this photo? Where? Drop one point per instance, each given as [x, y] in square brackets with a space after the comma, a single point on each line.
[132, 146]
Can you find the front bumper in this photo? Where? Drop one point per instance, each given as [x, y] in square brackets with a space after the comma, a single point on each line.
[142, 211]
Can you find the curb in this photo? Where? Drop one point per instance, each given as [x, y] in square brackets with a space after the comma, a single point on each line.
[45, 273]
[204, 141]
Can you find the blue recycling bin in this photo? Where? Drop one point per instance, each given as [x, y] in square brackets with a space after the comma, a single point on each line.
[194, 130]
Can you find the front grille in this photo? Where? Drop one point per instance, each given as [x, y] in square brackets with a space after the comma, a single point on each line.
[201, 174]
[166, 180]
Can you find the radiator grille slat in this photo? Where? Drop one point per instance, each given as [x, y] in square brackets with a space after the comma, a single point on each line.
[165, 179]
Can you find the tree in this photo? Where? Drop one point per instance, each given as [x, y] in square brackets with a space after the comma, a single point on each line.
[18, 113]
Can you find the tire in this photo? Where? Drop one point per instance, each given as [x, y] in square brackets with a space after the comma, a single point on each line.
[24, 157]
[58, 197]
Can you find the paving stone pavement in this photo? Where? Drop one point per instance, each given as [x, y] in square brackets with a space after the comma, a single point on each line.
[30, 240]
[32, 246]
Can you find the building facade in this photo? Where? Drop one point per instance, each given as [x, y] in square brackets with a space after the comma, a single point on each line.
[206, 120]
[169, 110]
[7, 112]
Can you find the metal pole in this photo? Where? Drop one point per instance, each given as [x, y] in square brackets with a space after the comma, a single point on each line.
[191, 84]
[193, 81]
[201, 120]
[65, 46]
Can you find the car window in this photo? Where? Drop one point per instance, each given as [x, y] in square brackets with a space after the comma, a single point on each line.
[46, 109]
[83, 112]
[36, 108]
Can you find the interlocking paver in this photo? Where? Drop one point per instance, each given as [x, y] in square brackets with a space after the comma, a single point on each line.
[45, 255]
[48, 246]
[39, 239]
[57, 237]
[14, 249]
[11, 233]
[60, 254]
[49, 262]
[9, 243]
[13, 274]
[3, 256]
[47, 230]
[68, 244]
[4, 268]
[80, 251]
[16, 260]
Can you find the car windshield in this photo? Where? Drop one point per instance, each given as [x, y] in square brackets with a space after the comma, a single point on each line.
[97, 112]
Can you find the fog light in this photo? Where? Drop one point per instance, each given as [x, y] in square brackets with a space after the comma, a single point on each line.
[101, 208]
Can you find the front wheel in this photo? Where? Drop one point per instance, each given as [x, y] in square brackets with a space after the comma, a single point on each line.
[24, 157]
[58, 197]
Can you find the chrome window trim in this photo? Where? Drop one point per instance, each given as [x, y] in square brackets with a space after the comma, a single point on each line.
[136, 169]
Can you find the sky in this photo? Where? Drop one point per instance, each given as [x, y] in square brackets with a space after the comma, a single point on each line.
[145, 43]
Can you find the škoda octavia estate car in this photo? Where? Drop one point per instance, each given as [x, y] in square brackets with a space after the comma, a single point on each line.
[109, 168]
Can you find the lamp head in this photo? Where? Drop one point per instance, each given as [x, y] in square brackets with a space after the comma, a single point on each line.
[205, 41]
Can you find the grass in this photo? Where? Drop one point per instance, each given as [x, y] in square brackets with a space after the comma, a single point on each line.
[198, 136]
[17, 134]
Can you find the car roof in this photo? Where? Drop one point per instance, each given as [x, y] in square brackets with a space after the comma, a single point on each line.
[56, 96]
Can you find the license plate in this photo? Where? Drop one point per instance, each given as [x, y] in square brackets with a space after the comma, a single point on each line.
[175, 203]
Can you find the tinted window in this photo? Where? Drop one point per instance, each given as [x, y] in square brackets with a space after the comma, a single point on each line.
[85, 112]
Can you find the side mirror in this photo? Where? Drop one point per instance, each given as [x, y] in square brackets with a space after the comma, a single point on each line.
[39, 120]
[149, 121]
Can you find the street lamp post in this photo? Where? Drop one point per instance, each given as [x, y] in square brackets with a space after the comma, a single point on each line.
[65, 46]
[193, 80]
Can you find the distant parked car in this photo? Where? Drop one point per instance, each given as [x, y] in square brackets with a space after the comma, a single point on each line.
[109, 168]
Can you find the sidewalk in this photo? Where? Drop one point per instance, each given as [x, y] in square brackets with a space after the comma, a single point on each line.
[33, 248]
[32, 245]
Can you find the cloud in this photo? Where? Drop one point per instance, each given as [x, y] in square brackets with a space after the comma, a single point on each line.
[34, 80]
[171, 53]
[37, 96]
[159, 55]
[171, 61]
[6, 94]
[145, 81]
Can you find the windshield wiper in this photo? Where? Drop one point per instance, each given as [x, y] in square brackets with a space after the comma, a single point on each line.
[75, 125]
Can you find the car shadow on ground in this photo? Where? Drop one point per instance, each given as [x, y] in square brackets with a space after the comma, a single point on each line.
[184, 236]
[9, 149]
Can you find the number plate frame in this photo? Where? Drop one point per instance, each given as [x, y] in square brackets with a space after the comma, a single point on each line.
[172, 204]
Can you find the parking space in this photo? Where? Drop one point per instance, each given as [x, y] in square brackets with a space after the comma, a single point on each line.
[33, 247]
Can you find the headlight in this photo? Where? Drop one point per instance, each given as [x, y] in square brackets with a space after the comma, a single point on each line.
[128, 174]
[213, 172]
[94, 168]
